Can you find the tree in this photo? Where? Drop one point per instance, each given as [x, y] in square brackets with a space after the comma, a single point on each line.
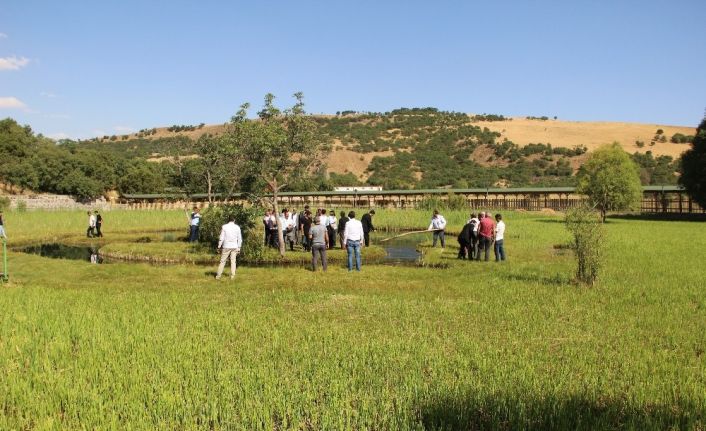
[611, 180]
[277, 150]
[588, 233]
[693, 166]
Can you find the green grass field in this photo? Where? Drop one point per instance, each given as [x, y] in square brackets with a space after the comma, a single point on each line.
[475, 346]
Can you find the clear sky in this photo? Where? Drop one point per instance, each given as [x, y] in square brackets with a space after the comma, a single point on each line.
[84, 68]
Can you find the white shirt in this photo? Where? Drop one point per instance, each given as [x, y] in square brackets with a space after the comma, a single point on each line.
[92, 220]
[438, 222]
[231, 236]
[476, 225]
[332, 221]
[500, 231]
[286, 222]
[195, 218]
[353, 231]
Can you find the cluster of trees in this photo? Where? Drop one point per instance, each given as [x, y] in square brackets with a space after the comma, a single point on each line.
[680, 138]
[542, 118]
[183, 128]
[489, 117]
[34, 162]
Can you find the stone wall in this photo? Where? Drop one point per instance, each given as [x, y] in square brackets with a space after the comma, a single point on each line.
[58, 202]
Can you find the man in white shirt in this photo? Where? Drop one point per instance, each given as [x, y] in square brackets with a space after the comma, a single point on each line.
[288, 231]
[194, 223]
[352, 237]
[331, 227]
[90, 233]
[438, 224]
[229, 243]
[473, 246]
[499, 238]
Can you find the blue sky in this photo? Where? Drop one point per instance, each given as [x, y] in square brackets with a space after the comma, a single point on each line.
[85, 68]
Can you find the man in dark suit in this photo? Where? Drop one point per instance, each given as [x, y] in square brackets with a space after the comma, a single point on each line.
[367, 222]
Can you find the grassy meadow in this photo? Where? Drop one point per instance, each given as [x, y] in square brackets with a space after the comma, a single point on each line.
[474, 346]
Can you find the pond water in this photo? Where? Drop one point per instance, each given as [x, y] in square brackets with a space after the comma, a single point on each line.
[61, 251]
[399, 251]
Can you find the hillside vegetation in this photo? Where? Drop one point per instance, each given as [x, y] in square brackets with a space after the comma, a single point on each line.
[404, 148]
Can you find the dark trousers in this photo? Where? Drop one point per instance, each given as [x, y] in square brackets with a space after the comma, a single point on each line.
[193, 233]
[366, 237]
[473, 246]
[316, 251]
[438, 234]
[98, 230]
[484, 244]
[499, 250]
[274, 239]
[463, 250]
[267, 236]
[89, 232]
[331, 237]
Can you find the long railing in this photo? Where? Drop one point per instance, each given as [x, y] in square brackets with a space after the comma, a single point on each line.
[656, 199]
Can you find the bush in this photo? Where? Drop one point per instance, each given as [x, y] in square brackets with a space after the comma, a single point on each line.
[247, 218]
[4, 203]
[21, 206]
[585, 226]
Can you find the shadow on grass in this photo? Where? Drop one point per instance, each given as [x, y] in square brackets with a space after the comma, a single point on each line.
[661, 217]
[551, 413]
[552, 280]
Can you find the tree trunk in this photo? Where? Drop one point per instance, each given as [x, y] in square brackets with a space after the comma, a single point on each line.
[275, 204]
[603, 215]
[210, 186]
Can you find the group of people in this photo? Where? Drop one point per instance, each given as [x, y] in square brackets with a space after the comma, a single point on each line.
[316, 234]
[296, 227]
[479, 234]
[95, 222]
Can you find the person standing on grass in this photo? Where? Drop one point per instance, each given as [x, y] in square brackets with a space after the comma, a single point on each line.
[352, 237]
[367, 222]
[438, 225]
[306, 222]
[332, 227]
[194, 223]
[229, 243]
[342, 227]
[485, 235]
[464, 241]
[274, 238]
[91, 225]
[318, 237]
[287, 222]
[300, 227]
[499, 238]
[99, 224]
[266, 226]
[295, 220]
[473, 248]
[2, 227]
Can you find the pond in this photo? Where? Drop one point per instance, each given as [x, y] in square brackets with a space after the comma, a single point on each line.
[62, 251]
[399, 251]
[402, 250]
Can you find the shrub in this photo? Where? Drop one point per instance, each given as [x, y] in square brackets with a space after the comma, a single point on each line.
[21, 206]
[584, 224]
[4, 203]
[247, 218]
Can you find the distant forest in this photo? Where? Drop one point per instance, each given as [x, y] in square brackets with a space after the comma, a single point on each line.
[423, 148]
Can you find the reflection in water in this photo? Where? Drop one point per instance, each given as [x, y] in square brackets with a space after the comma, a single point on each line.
[400, 250]
[61, 251]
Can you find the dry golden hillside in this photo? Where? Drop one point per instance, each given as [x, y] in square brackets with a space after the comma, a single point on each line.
[521, 131]
[590, 134]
